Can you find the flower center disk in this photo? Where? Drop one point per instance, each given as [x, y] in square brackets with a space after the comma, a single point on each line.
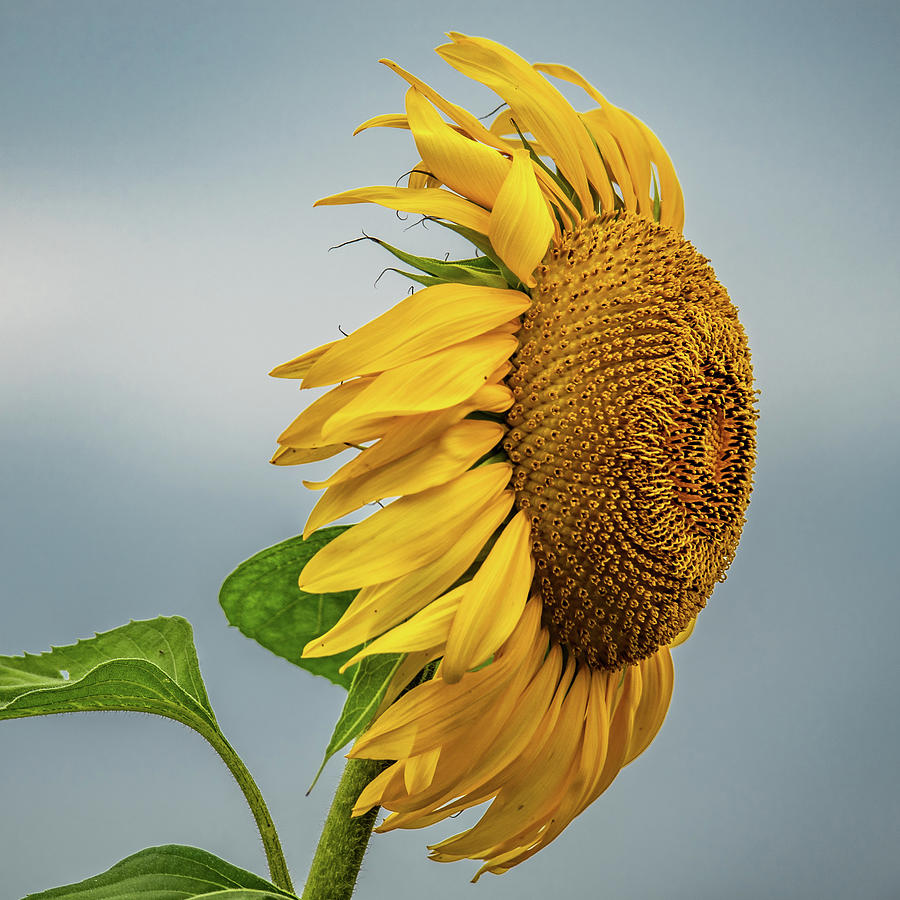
[632, 436]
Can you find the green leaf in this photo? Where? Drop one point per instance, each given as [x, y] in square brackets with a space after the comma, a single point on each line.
[373, 675]
[261, 598]
[148, 666]
[482, 272]
[169, 873]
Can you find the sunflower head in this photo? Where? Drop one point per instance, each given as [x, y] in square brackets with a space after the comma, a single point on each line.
[631, 435]
[567, 422]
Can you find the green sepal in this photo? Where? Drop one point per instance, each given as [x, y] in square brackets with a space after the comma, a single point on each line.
[171, 872]
[657, 207]
[457, 271]
[261, 598]
[427, 280]
[370, 683]
[480, 241]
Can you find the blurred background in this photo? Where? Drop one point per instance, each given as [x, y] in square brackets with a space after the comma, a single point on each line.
[159, 254]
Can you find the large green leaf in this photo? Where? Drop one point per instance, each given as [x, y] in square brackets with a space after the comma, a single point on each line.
[169, 873]
[148, 666]
[261, 598]
[373, 675]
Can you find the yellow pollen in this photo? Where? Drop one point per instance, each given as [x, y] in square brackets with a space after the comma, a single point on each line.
[632, 436]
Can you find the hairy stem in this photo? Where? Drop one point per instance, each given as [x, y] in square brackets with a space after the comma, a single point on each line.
[278, 870]
[343, 843]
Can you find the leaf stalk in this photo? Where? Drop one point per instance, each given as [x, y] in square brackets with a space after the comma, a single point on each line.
[278, 870]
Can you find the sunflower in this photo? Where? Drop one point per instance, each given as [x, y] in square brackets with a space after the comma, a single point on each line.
[567, 423]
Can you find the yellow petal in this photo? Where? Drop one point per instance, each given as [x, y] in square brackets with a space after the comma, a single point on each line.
[671, 196]
[436, 713]
[410, 533]
[639, 146]
[429, 715]
[431, 319]
[526, 807]
[621, 727]
[388, 120]
[439, 461]
[419, 771]
[493, 602]
[682, 636]
[534, 713]
[594, 744]
[408, 433]
[464, 165]
[297, 368]
[496, 398]
[426, 630]
[602, 125]
[379, 607]
[595, 121]
[657, 680]
[420, 177]
[587, 767]
[437, 381]
[521, 225]
[634, 150]
[532, 788]
[469, 124]
[409, 668]
[536, 106]
[371, 795]
[434, 202]
[504, 125]
[306, 430]
[471, 767]
[292, 456]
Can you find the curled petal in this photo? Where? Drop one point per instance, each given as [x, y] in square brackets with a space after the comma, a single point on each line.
[521, 224]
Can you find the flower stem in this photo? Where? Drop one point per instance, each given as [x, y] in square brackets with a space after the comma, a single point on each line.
[343, 843]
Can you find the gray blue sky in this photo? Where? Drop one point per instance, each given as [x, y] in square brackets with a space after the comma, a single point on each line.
[159, 253]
